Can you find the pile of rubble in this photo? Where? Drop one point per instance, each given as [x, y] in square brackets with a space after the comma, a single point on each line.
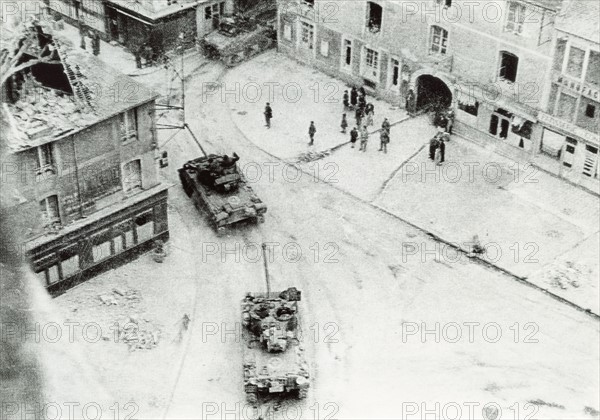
[118, 296]
[138, 334]
[564, 275]
[312, 156]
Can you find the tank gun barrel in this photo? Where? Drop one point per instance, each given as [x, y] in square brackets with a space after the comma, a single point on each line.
[196, 140]
[267, 278]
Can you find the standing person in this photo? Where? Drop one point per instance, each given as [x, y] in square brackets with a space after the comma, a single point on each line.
[361, 92]
[96, 43]
[433, 146]
[385, 125]
[268, 114]
[138, 57]
[358, 116]
[346, 100]
[353, 136]
[450, 117]
[344, 123]
[364, 138]
[362, 103]
[442, 146]
[353, 97]
[311, 133]
[410, 102]
[369, 118]
[384, 140]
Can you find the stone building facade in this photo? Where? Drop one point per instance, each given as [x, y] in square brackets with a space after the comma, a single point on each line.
[83, 142]
[492, 62]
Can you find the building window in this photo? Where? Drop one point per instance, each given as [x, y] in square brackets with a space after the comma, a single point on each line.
[287, 32]
[575, 64]
[590, 164]
[132, 175]
[347, 53]
[308, 34]
[559, 54]
[509, 64]
[101, 251]
[593, 70]
[128, 124]
[445, 3]
[395, 72]
[70, 266]
[566, 106]
[45, 159]
[590, 111]
[569, 156]
[374, 17]
[552, 143]
[439, 40]
[515, 17]
[372, 59]
[49, 209]
[144, 227]
[325, 48]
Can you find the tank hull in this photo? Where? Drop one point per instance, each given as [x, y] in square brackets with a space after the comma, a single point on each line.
[223, 208]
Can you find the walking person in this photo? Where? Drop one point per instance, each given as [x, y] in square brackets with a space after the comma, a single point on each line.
[433, 146]
[442, 148]
[364, 138]
[346, 101]
[353, 136]
[362, 93]
[384, 140]
[311, 133]
[268, 114]
[344, 123]
[385, 125]
[353, 97]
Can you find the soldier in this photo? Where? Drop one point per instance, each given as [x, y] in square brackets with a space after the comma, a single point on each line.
[353, 97]
[385, 125]
[358, 116]
[433, 145]
[344, 123]
[353, 136]
[450, 117]
[311, 133]
[364, 138]
[384, 140]
[346, 100]
[268, 115]
[228, 162]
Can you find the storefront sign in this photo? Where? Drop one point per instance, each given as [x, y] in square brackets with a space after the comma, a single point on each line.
[577, 87]
[568, 127]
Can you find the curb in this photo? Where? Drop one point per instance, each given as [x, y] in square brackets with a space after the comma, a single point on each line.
[433, 236]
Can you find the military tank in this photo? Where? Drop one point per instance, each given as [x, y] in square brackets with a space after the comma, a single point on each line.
[220, 190]
[244, 34]
[274, 361]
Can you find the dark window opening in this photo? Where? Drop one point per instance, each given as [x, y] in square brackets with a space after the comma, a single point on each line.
[509, 64]
[396, 73]
[348, 45]
[310, 3]
[370, 84]
[524, 130]
[590, 111]
[374, 17]
[469, 109]
[143, 219]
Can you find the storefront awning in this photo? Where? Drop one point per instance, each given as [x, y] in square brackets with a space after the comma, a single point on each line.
[552, 142]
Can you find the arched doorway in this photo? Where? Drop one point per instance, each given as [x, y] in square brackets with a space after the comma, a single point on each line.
[432, 93]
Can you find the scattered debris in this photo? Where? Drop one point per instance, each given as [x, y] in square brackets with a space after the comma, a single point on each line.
[547, 404]
[312, 156]
[564, 275]
[591, 411]
[139, 336]
[120, 296]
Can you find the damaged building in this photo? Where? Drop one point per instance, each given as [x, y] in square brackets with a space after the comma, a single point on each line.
[82, 138]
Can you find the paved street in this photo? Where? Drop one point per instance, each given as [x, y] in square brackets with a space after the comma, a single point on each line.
[368, 297]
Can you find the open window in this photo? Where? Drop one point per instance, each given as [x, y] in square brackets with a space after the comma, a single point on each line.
[132, 175]
[374, 17]
[45, 159]
[307, 35]
[128, 125]
[49, 210]
[509, 64]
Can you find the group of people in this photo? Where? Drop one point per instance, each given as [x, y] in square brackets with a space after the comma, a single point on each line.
[357, 100]
[363, 135]
[444, 121]
[94, 39]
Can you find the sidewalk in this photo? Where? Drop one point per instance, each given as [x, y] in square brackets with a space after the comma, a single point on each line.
[530, 223]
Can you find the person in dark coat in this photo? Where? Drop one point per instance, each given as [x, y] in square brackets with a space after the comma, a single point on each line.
[361, 92]
[353, 97]
[344, 123]
[410, 102]
[385, 125]
[384, 140]
[268, 114]
[442, 145]
[353, 136]
[450, 117]
[358, 115]
[311, 133]
[346, 100]
[433, 145]
[362, 103]
[96, 44]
